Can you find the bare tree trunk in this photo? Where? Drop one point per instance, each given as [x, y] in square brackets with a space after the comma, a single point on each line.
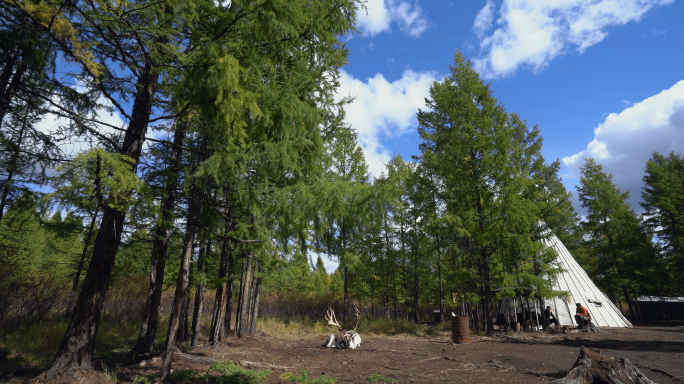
[8, 88]
[81, 263]
[543, 320]
[664, 309]
[183, 325]
[229, 295]
[244, 310]
[638, 307]
[629, 303]
[162, 234]
[255, 305]
[442, 308]
[522, 311]
[407, 302]
[220, 299]
[416, 318]
[5, 192]
[199, 296]
[77, 347]
[239, 303]
[12, 167]
[345, 275]
[182, 285]
[476, 319]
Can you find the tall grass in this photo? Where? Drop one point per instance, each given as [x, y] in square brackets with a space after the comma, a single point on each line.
[31, 342]
[296, 305]
[35, 345]
[304, 326]
[31, 338]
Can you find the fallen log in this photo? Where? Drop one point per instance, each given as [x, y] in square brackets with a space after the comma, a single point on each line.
[594, 367]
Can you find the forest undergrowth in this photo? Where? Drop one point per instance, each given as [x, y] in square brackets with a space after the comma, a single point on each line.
[31, 346]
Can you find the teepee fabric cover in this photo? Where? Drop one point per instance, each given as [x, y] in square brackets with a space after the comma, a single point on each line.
[581, 289]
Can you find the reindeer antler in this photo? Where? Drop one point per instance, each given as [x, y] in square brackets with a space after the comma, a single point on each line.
[357, 314]
[330, 316]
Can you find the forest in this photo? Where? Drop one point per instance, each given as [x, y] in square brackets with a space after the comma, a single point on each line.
[211, 208]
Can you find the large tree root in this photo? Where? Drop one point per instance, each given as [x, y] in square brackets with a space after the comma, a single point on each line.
[594, 367]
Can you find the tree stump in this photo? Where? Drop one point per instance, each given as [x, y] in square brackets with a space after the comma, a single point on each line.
[591, 327]
[594, 367]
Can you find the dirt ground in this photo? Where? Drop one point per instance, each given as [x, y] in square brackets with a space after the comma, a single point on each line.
[510, 357]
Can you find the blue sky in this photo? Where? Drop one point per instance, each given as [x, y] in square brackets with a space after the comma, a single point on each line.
[602, 78]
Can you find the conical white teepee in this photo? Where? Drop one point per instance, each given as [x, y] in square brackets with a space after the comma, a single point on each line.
[581, 289]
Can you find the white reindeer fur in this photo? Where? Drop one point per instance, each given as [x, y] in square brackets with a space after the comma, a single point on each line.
[346, 340]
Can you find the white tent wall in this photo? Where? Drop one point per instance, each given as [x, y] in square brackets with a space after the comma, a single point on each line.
[581, 289]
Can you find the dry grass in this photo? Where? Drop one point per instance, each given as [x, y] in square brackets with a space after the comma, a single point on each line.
[367, 325]
[35, 345]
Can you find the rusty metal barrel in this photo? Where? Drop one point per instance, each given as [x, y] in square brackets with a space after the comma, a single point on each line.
[460, 330]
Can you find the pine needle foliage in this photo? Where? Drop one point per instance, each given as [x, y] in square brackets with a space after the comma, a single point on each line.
[485, 167]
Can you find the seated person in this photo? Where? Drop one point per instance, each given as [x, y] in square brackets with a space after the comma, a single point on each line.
[549, 317]
[582, 316]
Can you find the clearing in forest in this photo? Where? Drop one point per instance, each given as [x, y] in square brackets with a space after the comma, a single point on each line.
[509, 357]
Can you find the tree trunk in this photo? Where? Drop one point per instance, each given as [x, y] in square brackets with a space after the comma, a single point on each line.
[522, 312]
[220, 299]
[183, 324]
[244, 310]
[592, 366]
[629, 303]
[81, 263]
[5, 192]
[186, 327]
[9, 87]
[238, 310]
[345, 275]
[160, 246]
[543, 321]
[442, 309]
[664, 309]
[250, 296]
[11, 168]
[199, 296]
[476, 319]
[415, 290]
[403, 268]
[229, 295]
[638, 307]
[77, 347]
[255, 305]
[182, 284]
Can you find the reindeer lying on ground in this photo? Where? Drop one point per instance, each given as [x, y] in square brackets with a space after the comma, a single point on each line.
[344, 339]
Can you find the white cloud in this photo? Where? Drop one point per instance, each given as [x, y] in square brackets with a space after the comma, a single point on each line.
[531, 33]
[330, 265]
[383, 110]
[379, 15]
[484, 18]
[51, 124]
[625, 141]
